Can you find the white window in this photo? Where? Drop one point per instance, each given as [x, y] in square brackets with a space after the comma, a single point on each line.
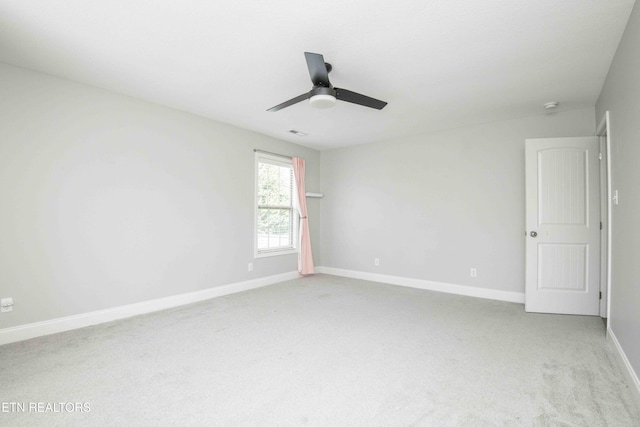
[276, 214]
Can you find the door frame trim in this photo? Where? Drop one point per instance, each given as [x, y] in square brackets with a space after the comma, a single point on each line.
[604, 131]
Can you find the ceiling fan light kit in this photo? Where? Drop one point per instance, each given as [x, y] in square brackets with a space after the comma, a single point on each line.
[322, 101]
[323, 94]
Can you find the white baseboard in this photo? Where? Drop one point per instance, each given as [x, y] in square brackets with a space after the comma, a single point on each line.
[449, 288]
[33, 330]
[622, 357]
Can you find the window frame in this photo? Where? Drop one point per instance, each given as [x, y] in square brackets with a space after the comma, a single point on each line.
[282, 162]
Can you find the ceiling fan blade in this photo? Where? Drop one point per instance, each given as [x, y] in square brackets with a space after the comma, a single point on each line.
[317, 69]
[290, 102]
[356, 98]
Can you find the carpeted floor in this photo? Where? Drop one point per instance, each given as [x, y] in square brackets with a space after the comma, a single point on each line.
[323, 351]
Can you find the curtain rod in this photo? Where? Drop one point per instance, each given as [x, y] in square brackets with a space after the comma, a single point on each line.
[273, 154]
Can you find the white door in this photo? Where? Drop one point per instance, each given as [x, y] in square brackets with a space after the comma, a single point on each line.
[563, 225]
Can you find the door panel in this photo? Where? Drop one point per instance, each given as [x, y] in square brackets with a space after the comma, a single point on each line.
[563, 225]
[562, 266]
[562, 198]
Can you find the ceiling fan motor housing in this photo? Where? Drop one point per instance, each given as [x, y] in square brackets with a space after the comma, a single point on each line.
[321, 90]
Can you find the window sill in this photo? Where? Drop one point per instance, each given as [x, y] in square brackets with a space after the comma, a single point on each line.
[275, 253]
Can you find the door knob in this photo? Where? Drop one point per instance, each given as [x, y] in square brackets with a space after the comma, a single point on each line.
[534, 234]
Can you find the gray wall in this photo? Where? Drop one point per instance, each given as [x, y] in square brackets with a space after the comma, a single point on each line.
[621, 96]
[107, 200]
[433, 206]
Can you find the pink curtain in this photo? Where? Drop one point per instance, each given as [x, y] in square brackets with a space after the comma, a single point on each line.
[305, 257]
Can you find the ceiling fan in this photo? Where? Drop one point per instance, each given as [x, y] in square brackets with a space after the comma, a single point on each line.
[323, 94]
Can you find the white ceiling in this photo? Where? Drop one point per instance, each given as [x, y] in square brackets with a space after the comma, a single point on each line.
[439, 63]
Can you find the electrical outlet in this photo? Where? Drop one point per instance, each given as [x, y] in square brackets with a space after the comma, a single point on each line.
[6, 305]
[250, 267]
[376, 262]
[474, 272]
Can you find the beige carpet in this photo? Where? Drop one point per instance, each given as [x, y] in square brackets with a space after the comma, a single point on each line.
[323, 351]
